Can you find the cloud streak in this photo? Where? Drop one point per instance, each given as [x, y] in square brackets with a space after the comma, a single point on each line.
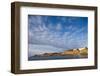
[60, 32]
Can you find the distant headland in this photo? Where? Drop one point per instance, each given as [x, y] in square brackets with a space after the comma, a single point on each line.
[79, 51]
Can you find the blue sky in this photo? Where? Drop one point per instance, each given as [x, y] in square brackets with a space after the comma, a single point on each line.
[65, 32]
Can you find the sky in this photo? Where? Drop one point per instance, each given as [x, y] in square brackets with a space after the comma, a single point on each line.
[61, 32]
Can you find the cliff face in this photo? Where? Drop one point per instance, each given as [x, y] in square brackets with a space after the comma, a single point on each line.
[76, 51]
[71, 52]
[84, 51]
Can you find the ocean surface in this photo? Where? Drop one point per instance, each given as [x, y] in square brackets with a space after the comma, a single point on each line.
[55, 57]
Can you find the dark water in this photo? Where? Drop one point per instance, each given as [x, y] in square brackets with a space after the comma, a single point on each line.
[55, 57]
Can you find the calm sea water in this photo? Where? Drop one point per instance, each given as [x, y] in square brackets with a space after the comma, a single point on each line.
[55, 57]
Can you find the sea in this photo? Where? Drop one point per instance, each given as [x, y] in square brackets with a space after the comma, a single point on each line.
[55, 57]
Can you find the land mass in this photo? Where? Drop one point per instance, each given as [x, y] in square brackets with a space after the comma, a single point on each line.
[73, 52]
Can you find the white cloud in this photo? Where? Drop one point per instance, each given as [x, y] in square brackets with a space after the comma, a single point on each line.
[58, 27]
